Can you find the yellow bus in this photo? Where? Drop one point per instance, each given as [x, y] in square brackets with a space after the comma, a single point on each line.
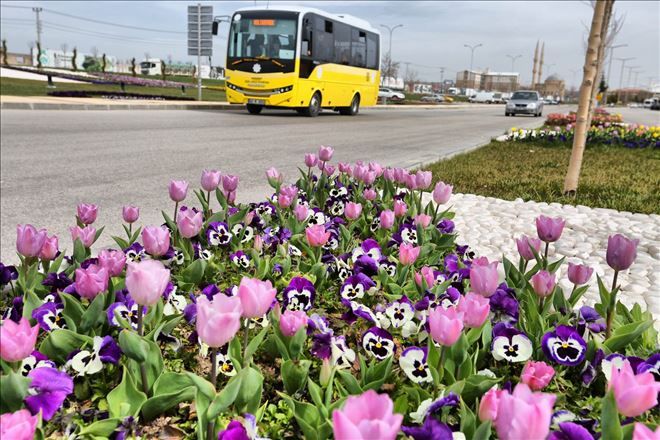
[302, 59]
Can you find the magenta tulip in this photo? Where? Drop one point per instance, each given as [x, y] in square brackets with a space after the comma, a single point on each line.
[19, 425]
[400, 208]
[359, 171]
[445, 325]
[156, 240]
[256, 297]
[29, 241]
[91, 281]
[389, 174]
[370, 194]
[408, 253]
[317, 236]
[387, 219]
[218, 320]
[369, 416]
[427, 275]
[146, 281]
[189, 222]
[325, 153]
[284, 201]
[423, 179]
[328, 170]
[475, 309]
[484, 277]
[422, 220]
[130, 213]
[537, 375]
[579, 273]
[442, 193]
[353, 210]
[87, 213]
[17, 341]
[300, 212]
[50, 249]
[113, 261]
[641, 432]
[634, 393]
[178, 190]
[86, 235]
[621, 252]
[210, 180]
[549, 229]
[524, 414]
[311, 160]
[489, 404]
[291, 321]
[411, 182]
[543, 283]
[525, 245]
[230, 182]
[345, 168]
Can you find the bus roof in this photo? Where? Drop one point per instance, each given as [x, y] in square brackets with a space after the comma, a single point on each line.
[344, 18]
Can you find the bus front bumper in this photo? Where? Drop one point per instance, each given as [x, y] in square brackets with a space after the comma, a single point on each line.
[283, 97]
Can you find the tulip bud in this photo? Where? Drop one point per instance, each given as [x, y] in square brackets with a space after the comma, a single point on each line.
[352, 210]
[317, 236]
[130, 213]
[189, 222]
[274, 177]
[543, 283]
[400, 208]
[579, 273]
[29, 241]
[178, 190]
[325, 153]
[422, 220]
[549, 229]
[230, 182]
[86, 235]
[210, 180]
[442, 193]
[49, 250]
[156, 240]
[369, 194]
[311, 160]
[408, 254]
[301, 212]
[525, 245]
[387, 219]
[87, 213]
[621, 252]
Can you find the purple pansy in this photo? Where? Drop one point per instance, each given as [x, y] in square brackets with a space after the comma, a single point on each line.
[124, 308]
[365, 265]
[57, 281]
[414, 365]
[240, 259]
[450, 399]
[432, 429]
[570, 431]
[7, 274]
[49, 316]
[86, 362]
[504, 305]
[400, 312]
[356, 286]
[135, 252]
[564, 345]
[388, 266]
[510, 344]
[322, 345]
[370, 248]
[378, 343]
[245, 233]
[218, 234]
[588, 317]
[652, 365]
[342, 355]
[48, 390]
[299, 294]
[35, 360]
[234, 431]
[445, 226]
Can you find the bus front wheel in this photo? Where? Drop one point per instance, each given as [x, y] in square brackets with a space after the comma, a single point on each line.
[353, 109]
[254, 109]
[314, 107]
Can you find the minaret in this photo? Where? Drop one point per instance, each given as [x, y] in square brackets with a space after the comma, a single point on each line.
[536, 59]
[540, 80]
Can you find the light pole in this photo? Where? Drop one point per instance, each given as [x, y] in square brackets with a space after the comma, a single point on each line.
[513, 61]
[389, 50]
[472, 49]
[623, 64]
[609, 69]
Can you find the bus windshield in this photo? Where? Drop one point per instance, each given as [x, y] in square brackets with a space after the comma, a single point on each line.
[265, 37]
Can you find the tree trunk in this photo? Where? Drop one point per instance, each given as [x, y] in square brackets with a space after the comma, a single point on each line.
[609, 7]
[590, 67]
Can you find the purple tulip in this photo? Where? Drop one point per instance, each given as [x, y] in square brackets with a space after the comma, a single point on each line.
[311, 160]
[86, 235]
[549, 229]
[210, 180]
[579, 273]
[29, 241]
[621, 252]
[525, 245]
[543, 283]
[325, 153]
[87, 213]
[130, 213]
[230, 182]
[178, 190]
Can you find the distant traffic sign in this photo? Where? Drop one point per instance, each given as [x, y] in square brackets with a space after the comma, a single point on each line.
[200, 37]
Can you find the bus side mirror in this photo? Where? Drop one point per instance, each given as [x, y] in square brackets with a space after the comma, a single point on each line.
[307, 33]
[214, 28]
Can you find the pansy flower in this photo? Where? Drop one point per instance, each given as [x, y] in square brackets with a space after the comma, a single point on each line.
[510, 344]
[336, 206]
[218, 234]
[299, 294]
[50, 316]
[7, 274]
[57, 281]
[333, 240]
[261, 321]
[88, 362]
[445, 226]
[407, 233]
[294, 251]
[173, 256]
[355, 286]
[240, 230]
[200, 252]
[223, 362]
[358, 310]
[124, 308]
[35, 360]
[375, 224]
[388, 266]
[265, 208]
[589, 318]
[617, 360]
[48, 390]
[400, 312]
[564, 345]
[378, 343]
[365, 265]
[652, 365]
[240, 259]
[414, 365]
[322, 345]
[370, 248]
[504, 305]
[317, 217]
[431, 429]
[570, 431]
[135, 253]
[174, 302]
[341, 355]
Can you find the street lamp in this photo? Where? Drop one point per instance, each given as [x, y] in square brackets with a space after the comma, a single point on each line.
[513, 61]
[609, 69]
[472, 48]
[389, 51]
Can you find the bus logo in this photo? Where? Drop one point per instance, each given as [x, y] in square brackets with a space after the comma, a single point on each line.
[256, 68]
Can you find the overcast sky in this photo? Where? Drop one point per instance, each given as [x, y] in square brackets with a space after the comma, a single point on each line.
[433, 33]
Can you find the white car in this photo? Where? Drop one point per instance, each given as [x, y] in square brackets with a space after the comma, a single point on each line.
[391, 94]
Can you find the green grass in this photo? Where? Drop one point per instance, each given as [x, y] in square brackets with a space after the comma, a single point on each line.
[27, 87]
[611, 177]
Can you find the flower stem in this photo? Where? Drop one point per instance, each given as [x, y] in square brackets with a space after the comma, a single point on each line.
[210, 425]
[143, 367]
[545, 255]
[130, 231]
[612, 306]
[246, 340]
[441, 363]
[176, 209]
[435, 215]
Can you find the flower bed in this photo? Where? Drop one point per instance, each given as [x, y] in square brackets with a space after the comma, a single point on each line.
[627, 135]
[116, 95]
[342, 305]
[601, 117]
[144, 82]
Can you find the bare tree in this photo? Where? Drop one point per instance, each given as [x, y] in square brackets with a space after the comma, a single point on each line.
[411, 78]
[588, 82]
[390, 68]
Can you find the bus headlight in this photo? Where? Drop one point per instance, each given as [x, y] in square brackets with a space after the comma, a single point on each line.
[283, 89]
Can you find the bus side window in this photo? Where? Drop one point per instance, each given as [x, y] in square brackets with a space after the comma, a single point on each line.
[342, 43]
[372, 51]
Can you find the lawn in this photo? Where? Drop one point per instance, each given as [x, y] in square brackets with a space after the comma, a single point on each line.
[26, 87]
[612, 177]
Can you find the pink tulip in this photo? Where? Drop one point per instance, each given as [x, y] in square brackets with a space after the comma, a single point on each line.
[445, 325]
[256, 297]
[325, 153]
[489, 403]
[408, 253]
[634, 393]
[386, 219]
[49, 250]
[442, 193]
[29, 241]
[301, 212]
[178, 190]
[400, 208]
[189, 222]
[156, 240]
[524, 414]
[427, 275]
[369, 194]
[423, 179]
[523, 244]
[484, 277]
[317, 236]
[87, 213]
[641, 432]
[328, 170]
[621, 252]
[400, 175]
[230, 182]
[411, 182]
[230, 196]
[345, 168]
[284, 201]
[369, 416]
[91, 281]
[218, 320]
[290, 191]
[422, 220]
[19, 425]
[389, 174]
[475, 309]
[146, 281]
[130, 213]
[86, 235]
[17, 341]
[274, 177]
[113, 261]
[311, 160]
[543, 283]
[376, 168]
[352, 210]
[291, 321]
[210, 180]
[359, 171]
[549, 229]
[537, 375]
[579, 273]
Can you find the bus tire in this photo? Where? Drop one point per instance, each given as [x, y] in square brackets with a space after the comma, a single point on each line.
[254, 109]
[314, 107]
[354, 108]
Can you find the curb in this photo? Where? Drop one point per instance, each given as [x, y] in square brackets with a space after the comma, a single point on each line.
[61, 106]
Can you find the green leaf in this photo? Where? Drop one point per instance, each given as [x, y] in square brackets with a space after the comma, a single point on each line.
[249, 396]
[475, 386]
[79, 251]
[254, 344]
[133, 346]
[307, 416]
[14, 389]
[297, 343]
[101, 428]
[482, 432]
[94, 314]
[154, 364]
[125, 400]
[123, 244]
[611, 425]
[225, 397]
[352, 385]
[73, 309]
[624, 335]
[169, 390]
[315, 393]
[30, 302]
[59, 343]
[194, 273]
[294, 375]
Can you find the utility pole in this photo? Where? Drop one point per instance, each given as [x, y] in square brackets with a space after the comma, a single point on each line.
[623, 64]
[389, 50]
[37, 11]
[609, 69]
[472, 49]
[513, 61]
[442, 79]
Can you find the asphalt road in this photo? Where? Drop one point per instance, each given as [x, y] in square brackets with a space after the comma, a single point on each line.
[51, 160]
